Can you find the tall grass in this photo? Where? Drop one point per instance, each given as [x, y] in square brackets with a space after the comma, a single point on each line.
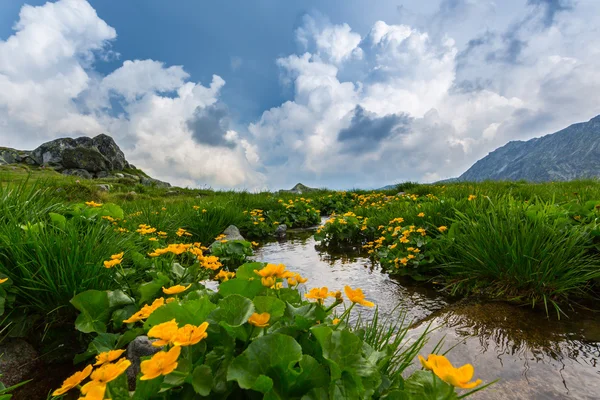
[49, 265]
[496, 249]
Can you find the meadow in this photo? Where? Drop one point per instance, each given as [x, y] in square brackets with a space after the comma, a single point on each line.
[88, 271]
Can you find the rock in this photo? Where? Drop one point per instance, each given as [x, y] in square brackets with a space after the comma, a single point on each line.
[82, 173]
[299, 189]
[140, 347]
[231, 233]
[17, 362]
[103, 188]
[172, 193]
[89, 159]
[400, 193]
[109, 149]
[280, 232]
[119, 175]
[146, 181]
[131, 176]
[102, 174]
[12, 156]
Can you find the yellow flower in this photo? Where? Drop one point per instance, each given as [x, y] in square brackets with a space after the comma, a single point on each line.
[110, 372]
[108, 356]
[472, 197]
[164, 332]
[357, 296]
[254, 244]
[145, 311]
[224, 275]
[112, 263]
[93, 204]
[335, 321]
[204, 210]
[3, 280]
[162, 363]
[268, 281]
[458, 377]
[443, 228]
[196, 207]
[93, 391]
[319, 294]
[260, 320]
[190, 334]
[73, 381]
[421, 215]
[117, 256]
[176, 289]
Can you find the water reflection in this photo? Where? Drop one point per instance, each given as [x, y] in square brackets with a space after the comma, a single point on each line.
[535, 357]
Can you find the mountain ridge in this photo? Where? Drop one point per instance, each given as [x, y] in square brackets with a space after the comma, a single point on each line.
[571, 153]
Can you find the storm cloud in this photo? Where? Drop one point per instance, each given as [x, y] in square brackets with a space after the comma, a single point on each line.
[210, 125]
[367, 130]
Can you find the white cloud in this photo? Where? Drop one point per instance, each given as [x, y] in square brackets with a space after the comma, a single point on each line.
[48, 89]
[529, 80]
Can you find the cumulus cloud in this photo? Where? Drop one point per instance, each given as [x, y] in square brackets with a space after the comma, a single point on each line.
[420, 106]
[166, 124]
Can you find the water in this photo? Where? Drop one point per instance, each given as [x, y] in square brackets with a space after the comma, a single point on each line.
[534, 357]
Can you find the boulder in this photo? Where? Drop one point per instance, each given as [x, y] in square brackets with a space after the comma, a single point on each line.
[103, 188]
[82, 173]
[100, 153]
[89, 159]
[12, 156]
[18, 359]
[146, 181]
[140, 347]
[281, 231]
[231, 233]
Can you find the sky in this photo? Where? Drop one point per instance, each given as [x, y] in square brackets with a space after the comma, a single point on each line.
[265, 94]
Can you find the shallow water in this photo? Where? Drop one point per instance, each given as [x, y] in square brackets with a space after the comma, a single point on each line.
[534, 357]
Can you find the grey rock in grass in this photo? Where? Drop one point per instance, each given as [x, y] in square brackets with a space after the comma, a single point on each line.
[140, 347]
[154, 182]
[81, 173]
[103, 187]
[281, 231]
[119, 175]
[18, 359]
[231, 233]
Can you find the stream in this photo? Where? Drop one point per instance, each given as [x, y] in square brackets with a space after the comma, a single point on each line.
[533, 356]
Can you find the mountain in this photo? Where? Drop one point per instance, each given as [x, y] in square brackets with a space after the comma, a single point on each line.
[572, 153]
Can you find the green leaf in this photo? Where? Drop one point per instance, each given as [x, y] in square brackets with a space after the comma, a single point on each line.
[242, 287]
[271, 356]
[117, 298]
[193, 312]
[271, 305]
[424, 385]
[149, 290]
[202, 380]
[118, 389]
[58, 220]
[234, 310]
[101, 343]
[111, 210]
[145, 390]
[94, 311]
[246, 271]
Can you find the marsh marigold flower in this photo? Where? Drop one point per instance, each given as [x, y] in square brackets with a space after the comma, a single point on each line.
[93, 204]
[224, 275]
[319, 294]
[472, 197]
[260, 320]
[73, 381]
[108, 356]
[163, 332]
[357, 296]
[145, 311]
[3, 280]
[443, 228]
[162, 363]
[458, 377]
[176, 289]
[190, 335]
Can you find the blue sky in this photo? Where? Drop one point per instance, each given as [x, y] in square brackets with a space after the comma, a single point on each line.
[263, 94]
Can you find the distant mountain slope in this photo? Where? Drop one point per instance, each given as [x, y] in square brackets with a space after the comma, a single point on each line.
[571, 153]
